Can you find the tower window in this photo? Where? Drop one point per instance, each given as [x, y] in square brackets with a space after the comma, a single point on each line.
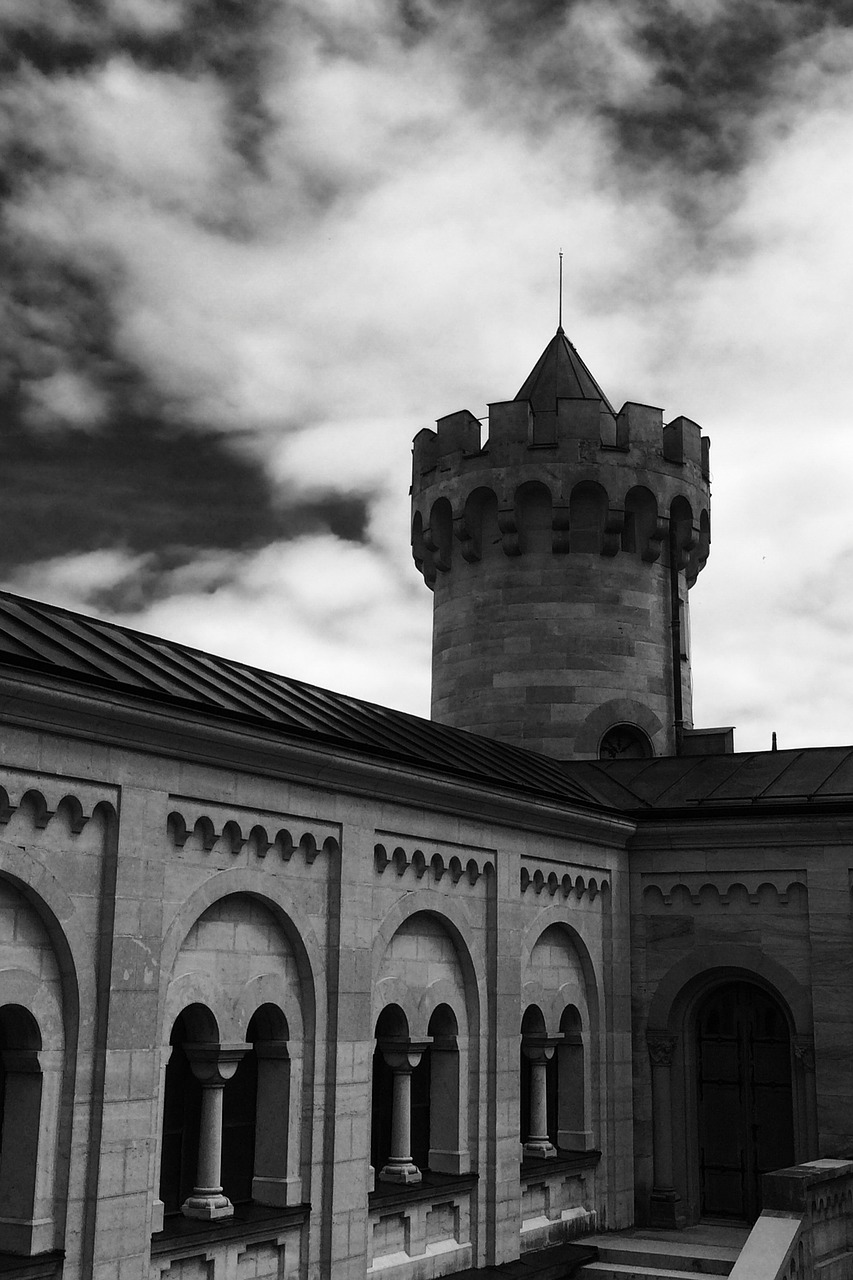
[624, 742]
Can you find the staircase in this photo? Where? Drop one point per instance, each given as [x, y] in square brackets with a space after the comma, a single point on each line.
[650, 1254]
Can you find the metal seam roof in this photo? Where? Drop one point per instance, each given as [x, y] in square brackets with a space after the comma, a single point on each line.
[90, 651]
[759, 779]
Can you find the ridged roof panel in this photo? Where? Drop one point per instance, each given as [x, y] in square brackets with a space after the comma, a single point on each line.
[88, 651]
[758, 778]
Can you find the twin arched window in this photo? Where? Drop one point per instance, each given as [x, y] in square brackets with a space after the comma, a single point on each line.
[226, 1115]
[552, 1107]
[417, 1116]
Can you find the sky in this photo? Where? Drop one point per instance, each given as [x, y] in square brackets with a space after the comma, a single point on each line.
[251, 247]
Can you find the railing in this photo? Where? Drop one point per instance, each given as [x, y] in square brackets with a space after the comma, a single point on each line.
[806, 1229]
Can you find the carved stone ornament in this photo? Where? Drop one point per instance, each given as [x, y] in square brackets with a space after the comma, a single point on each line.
[804, 1051]
[661, 1048]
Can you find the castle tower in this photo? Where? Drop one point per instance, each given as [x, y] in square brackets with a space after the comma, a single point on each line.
[560, 552]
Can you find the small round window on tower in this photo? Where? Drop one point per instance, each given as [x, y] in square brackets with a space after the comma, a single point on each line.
[624, 742]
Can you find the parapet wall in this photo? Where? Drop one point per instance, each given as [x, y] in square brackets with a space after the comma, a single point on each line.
[614, 482]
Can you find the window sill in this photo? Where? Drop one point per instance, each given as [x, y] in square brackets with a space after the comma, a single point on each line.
[250, 1222]
[390, 1194]
[562, 1162]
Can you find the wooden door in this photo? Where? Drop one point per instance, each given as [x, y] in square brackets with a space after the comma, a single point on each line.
[745, 1108]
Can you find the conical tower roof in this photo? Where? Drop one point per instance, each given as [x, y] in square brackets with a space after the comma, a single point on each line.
[560, 374]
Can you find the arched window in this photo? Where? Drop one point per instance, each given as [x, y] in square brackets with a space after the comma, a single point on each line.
[439, 536]
[640, 530]
[257, 1160]
[239, 1110]
[391, 1127]
[624, 742]
[534, 514]
[271, 1097]
[538, 1093]
[20, 1122]
[572, 1133]
[481, 523]
[182, 1109]
[390, 1025]
[421, 1093]
[553, 1107]
[587, 515]
[447, 1145]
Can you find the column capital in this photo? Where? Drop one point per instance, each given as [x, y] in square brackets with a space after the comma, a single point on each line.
[661, 1047]
[214, 1064]
[539, 1048]
[403, 1055]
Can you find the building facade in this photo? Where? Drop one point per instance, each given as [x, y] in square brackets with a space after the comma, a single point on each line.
[293, 985]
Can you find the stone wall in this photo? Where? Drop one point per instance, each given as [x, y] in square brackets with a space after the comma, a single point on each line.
[139, 887]
[765, 902]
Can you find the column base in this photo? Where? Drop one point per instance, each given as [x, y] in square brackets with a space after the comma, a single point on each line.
[208, 1207]
[405, 1173]
[539, 1149]
[665, 1210]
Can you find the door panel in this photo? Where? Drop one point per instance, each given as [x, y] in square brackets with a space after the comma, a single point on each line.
[744, 1098]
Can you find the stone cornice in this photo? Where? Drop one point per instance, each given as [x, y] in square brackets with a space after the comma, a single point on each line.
[822, 823]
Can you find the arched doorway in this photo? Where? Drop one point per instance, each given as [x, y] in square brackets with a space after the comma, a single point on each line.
[744, 1097]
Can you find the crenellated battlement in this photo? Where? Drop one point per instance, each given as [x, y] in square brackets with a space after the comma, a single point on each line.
[611, 480]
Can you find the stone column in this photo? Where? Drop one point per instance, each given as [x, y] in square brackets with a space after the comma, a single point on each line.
[402, 1057]
[213, 1065]
[538, 1050]
[665, 1200]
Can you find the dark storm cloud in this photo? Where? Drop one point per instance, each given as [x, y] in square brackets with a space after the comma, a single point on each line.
[134, 474]
[58, 316]
[709, 68]
[148, 490]
[712, 76]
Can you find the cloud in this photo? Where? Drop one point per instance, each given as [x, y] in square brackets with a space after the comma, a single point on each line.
[251, 249]
[169, 493]
[315, 608]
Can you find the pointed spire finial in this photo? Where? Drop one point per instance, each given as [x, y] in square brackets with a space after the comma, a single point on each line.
[560, 310]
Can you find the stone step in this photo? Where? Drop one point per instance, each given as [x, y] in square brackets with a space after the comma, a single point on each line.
[608, 1270]
[639, 1255]
[708, 1261]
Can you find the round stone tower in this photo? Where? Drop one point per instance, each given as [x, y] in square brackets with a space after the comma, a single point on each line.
[560, 552]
